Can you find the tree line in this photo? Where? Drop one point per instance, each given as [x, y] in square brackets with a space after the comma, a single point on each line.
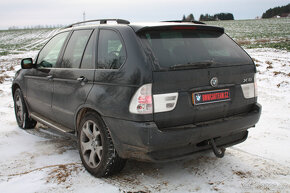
[277, 11]
[208, 17]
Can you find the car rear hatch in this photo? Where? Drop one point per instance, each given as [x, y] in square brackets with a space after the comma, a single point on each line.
[198, 73]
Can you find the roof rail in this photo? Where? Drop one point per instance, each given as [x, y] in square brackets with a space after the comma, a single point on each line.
[180, 21]
[102, 21]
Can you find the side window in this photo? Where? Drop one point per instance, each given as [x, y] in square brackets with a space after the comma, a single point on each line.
[75, 49]
[111, 51]
[48, 56]
[88, 58]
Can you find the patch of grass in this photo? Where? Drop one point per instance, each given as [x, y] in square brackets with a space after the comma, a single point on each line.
[282, 83]
[10, 68]
[4, 53]
[255, 60]
[282, 73]
[23, 49]
[269, 62]
[279, 45]
[276, 45]
[243, 42]
[242, 174]
[2, 78]
[269, 66]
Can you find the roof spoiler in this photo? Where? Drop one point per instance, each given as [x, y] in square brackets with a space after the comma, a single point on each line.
[182, 27]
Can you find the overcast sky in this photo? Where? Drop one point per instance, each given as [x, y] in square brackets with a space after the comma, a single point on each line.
[50, 12]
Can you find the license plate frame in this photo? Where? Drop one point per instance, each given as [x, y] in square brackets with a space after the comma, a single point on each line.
[210, 96]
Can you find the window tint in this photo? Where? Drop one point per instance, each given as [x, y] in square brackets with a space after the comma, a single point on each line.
[187, 47]
[111, 51]
[75, 49]
[49, 54]
[88, 58]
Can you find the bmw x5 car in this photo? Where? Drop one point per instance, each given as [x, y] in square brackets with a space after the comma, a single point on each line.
[146, 91]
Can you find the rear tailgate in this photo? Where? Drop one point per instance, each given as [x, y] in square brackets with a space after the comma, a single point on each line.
[187, 82]
[185, 60]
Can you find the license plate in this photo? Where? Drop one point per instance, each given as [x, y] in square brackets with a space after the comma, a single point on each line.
[214, 96]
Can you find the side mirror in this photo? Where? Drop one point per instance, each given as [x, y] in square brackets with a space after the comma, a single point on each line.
[27, 63]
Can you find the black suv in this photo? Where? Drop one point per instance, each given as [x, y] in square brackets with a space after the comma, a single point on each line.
[147, 91]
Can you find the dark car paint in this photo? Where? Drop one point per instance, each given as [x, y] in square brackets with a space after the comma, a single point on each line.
[188, 81]
[58, 95]
[69, 93]
[39, 92]
[112, 87]
[147, 142]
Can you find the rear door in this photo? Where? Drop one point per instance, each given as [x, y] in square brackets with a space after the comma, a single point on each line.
[73, 80]
[206, 69]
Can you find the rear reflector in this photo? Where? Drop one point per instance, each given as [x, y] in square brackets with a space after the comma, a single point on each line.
[256, 86]
[165, 102]
[250, 90]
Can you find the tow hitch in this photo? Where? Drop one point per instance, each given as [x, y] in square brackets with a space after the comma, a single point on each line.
[219, 152]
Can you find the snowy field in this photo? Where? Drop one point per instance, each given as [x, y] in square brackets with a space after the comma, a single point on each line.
[21, 41]
[39, 161]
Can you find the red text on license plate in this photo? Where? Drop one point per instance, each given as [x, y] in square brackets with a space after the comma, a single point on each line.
[210, 96]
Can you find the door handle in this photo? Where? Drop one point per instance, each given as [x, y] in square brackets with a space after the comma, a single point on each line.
[82, 79]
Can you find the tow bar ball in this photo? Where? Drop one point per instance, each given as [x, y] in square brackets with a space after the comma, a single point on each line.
[219, 152]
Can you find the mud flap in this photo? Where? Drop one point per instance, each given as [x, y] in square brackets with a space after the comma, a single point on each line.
[219, 152]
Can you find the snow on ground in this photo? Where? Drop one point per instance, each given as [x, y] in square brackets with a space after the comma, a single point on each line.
[39, 161]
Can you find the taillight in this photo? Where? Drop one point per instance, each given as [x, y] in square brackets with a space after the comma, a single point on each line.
[141, 102]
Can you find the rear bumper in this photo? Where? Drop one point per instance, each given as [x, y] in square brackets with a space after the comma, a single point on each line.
[144, 141]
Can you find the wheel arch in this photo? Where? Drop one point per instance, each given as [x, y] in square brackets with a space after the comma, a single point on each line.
[14, 87]
[81, 112]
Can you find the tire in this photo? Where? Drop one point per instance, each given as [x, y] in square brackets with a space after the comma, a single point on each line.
[96, 147]
[21, 112]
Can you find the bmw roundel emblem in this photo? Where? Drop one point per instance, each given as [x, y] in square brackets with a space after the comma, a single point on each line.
[214, 82]
[198, 97]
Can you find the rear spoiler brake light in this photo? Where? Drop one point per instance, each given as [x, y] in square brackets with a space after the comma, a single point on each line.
[183, 27]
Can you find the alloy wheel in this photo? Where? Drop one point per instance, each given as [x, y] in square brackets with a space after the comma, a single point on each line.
[91, 143]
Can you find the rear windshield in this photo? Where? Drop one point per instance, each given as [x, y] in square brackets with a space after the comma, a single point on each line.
[183, 48]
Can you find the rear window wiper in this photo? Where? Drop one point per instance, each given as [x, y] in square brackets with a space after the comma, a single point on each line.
[204, 64]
